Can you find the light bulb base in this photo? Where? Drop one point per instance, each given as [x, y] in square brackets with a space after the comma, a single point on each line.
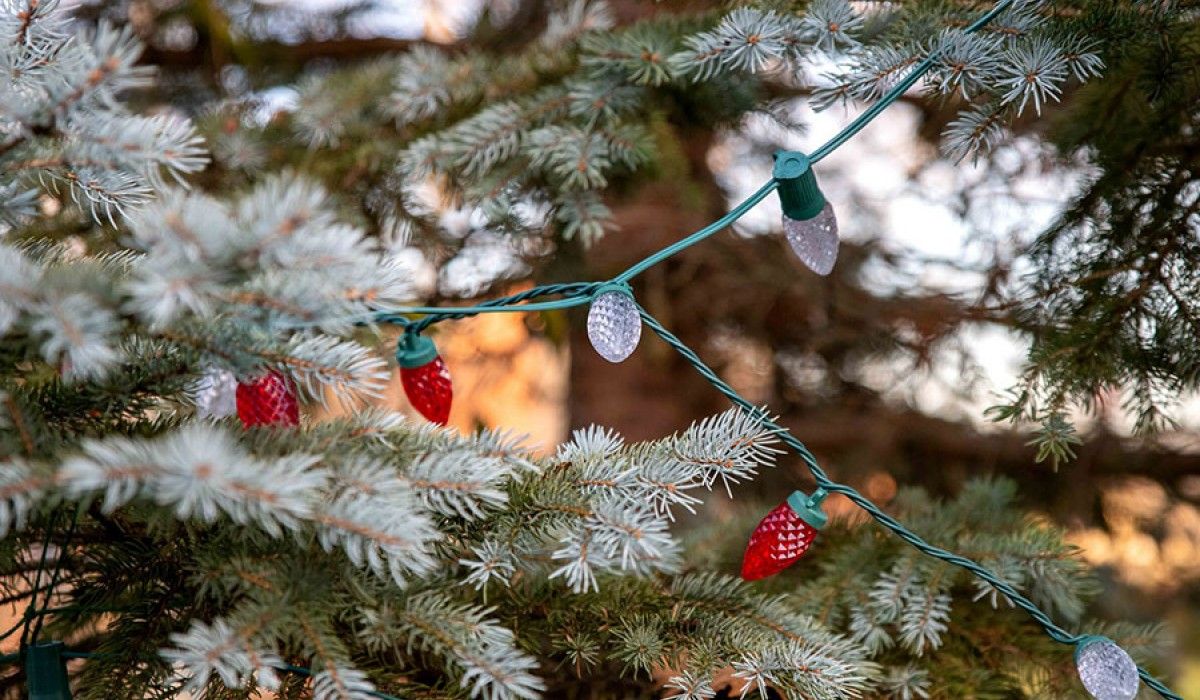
[46, 672]
[799, 195]
[1087, 641]
[808, 508]
[415, 350]
[618, 287]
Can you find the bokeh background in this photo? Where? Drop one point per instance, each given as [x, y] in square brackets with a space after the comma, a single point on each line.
[885, 369]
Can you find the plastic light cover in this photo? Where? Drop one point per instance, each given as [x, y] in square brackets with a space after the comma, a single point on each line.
[429, 389]
[1106, 670]
[614, 325]
[268, 400]
[215, 393]
[779, 540]
[815, 240]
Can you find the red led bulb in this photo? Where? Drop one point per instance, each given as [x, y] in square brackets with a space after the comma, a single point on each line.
[268, 400]
[784, 535]
[425, 377]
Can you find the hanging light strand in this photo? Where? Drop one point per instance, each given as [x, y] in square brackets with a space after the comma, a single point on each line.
[581, 294]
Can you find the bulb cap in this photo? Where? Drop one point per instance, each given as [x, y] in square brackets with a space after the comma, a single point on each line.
[799, 194]
[808, 508]
[415, 350]
[1087, 641]
[618, 287]
[46, 672]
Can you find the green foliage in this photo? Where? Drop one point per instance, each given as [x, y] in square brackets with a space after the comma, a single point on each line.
[370, 553]
[553, 122]
[1109, 302]
[64, 129]
[1054, 440]
[332, 547]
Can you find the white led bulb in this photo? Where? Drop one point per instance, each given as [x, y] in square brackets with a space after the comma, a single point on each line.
[215, 393]
[1106, 670]
[815, 240]
[614, 325]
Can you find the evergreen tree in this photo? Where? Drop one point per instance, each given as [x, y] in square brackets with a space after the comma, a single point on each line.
[177, 550]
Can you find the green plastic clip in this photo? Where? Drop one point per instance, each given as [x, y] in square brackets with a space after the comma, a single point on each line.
[799, 194]
[618, 287]
[1086, 641]
[808, 508]
[415, 350]
[46, 672]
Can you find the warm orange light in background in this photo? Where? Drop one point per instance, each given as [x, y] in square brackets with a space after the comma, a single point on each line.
[1152, 541]
[505, 376]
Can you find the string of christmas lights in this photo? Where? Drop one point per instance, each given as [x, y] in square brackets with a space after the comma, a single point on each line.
[790, 529]
[614, 326]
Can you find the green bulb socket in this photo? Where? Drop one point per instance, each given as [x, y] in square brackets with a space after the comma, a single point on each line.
[1087, 641]
[618, 287]
[808, 508]
[799, 194]
[415, 350]
[46, 672]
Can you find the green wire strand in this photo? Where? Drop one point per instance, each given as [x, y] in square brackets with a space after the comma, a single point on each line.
[504, 305]
[30, 610]
[512, 304]
[483, 309]
[575, 294]
[720, 224]
[1055, 632]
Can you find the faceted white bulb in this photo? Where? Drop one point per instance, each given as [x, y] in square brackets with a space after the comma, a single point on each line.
[1107, 671]
[614, 326]
[215, 393]
[815, 240]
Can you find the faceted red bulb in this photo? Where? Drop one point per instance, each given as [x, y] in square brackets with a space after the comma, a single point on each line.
[424, 376]
[784, 535]
[268, 400]
[429, 389]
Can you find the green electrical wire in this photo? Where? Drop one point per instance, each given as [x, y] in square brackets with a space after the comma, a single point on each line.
[574, 294]
[30, 611]
[508, 304]
[734, 214]
[482, 309]
[1055, 632]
